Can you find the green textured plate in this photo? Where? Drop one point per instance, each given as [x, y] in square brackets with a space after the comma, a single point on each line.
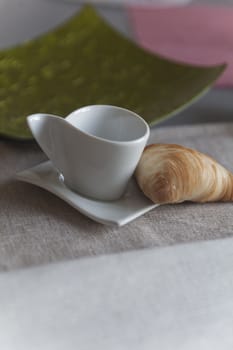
[84, 62]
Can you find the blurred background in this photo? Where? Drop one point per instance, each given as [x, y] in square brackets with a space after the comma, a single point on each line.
[21, 20]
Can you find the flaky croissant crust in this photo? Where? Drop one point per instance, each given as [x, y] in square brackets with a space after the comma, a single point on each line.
[169, 173]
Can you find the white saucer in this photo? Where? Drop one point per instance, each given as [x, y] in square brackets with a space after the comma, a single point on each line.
[132, 205]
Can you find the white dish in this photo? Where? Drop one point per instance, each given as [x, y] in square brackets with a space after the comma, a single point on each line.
[120, 212]
[98, 142]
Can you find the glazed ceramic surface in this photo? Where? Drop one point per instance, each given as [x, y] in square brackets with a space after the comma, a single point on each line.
[120, 212]
[96, 148]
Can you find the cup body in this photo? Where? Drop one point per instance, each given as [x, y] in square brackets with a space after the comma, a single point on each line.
[96, 148]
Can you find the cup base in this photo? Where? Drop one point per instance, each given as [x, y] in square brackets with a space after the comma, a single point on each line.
[92, 197]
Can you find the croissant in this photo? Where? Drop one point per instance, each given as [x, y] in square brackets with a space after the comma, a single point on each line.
[169, 173]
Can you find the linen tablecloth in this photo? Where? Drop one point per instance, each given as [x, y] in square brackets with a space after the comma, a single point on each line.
[37, 228]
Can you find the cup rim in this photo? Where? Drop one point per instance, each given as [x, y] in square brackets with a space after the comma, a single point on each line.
[136, 140]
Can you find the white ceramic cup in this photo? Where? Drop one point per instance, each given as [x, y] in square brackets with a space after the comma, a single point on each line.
[96, 148]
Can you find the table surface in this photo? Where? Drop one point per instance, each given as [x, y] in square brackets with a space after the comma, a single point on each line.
[176, 297]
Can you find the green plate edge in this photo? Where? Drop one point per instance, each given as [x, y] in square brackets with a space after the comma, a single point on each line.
[85, 61]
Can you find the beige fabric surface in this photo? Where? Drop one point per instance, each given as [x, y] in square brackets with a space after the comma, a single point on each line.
[37, 228]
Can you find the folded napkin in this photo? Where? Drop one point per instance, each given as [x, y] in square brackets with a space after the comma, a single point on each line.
[195, 34]
[169, 298]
